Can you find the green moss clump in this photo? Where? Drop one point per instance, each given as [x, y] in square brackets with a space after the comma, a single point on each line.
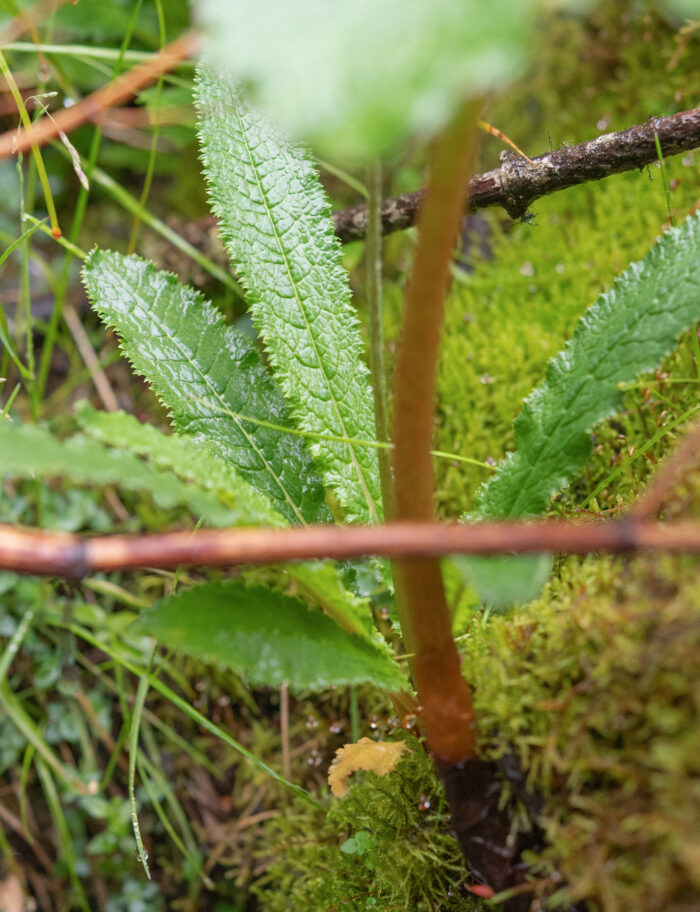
[387, 845]
[595, 688]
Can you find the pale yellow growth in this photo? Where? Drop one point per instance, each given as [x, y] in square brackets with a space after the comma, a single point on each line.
[379, 757]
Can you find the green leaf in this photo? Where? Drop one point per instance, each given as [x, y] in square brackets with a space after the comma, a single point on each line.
[504, 580]
[268, 637]
[319, 580]
[358, 77]
[203, 371]
[628, 330]
[30, 451]
[187, 458]
[275, 223]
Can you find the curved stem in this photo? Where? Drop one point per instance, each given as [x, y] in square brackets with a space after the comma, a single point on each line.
[442, 691]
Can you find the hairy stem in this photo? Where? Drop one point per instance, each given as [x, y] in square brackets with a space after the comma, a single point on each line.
[442, 691]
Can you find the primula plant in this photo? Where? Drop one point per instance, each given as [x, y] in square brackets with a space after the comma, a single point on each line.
[291, 428]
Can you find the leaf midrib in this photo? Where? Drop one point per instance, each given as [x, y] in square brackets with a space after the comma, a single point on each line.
[217, 395]
[358, 469]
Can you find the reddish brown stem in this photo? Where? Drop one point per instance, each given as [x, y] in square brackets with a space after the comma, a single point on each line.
[425, 619]
[62, 554]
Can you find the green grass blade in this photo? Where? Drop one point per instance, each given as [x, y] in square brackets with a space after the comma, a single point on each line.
[141, 693]
[275, 222]
[182, 705]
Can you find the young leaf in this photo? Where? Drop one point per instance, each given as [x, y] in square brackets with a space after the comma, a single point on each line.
[627, 331]
[188, 459]
[358, 77]
[204, 371]
[30, 451]
[275, 223]
[267, 637]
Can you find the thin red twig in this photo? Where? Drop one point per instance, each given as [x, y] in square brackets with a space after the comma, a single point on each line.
[65, 555]
[115, 93]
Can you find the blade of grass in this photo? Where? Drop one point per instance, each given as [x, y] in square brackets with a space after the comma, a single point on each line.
[8, 405]
[373, 258]
[23, 783]
[182, 705]
[664, 180]
[19, 718]
[36, 152]
[637, 453]
[313, 435]
[141, 693]
[65, 840]
[14, 643]
[86, 50]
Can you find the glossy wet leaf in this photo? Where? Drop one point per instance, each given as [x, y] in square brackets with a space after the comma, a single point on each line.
[203, 371]
[275, 223]
[267, 637]
[630, 329]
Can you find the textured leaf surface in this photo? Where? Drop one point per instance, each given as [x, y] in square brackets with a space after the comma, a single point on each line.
[30, 451]
[189, 459]
[358, 77]
[268, 637]
[628, 330]
[275, 223]
[198, 367]
[321, 580]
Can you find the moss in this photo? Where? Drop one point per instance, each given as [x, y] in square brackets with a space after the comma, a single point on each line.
[594, 688]
[514, 313]
[386, 845]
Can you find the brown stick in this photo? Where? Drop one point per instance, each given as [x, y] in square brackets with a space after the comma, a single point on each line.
[517, 184]
[61, 554]
[114, 93]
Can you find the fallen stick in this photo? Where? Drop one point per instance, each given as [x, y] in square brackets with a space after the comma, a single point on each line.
[517, 183]
[65, 555]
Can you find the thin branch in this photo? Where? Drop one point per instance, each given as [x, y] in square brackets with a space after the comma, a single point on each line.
[72, 556]
[517, 184]
[115, 93]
